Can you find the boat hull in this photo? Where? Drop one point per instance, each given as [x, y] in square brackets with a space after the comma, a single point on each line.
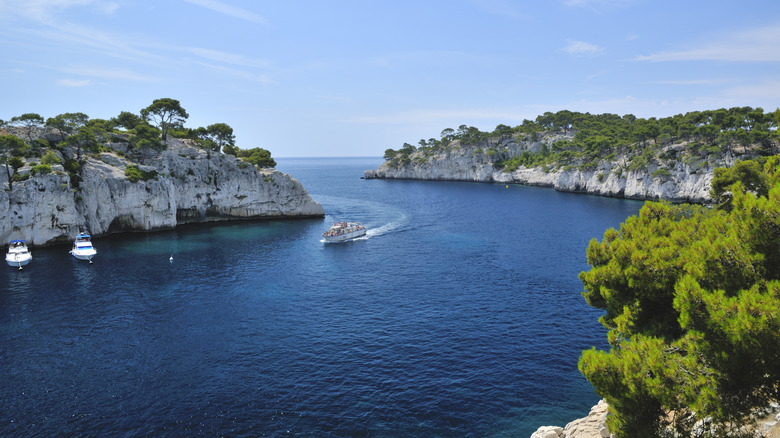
[84, 255]
[18, 255]
[18, 260]
[346, 236]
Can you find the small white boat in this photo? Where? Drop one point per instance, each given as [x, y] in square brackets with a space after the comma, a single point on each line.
[82, 248]
[341, 231]
[18, 255]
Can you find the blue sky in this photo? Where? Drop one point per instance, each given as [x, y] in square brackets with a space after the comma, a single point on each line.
[353, 78]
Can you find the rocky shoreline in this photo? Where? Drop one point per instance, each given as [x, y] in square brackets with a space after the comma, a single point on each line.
[591, 426]
[190, 185]
[672, 180]
[766, 424]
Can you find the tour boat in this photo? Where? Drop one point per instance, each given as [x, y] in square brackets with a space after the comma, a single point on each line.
[82, 248]
[341, 231]
[18, 255]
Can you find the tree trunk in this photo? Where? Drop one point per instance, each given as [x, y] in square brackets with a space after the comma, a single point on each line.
[10, 180]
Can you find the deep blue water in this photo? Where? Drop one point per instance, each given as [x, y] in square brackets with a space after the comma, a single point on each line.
[459, 314]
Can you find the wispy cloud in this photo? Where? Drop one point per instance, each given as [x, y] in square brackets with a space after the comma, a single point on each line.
[74, 82]
[228, 58]
[755, 45]
[581, 48]
[43, 11]
[58, 32]
[766, 90]
[94, 72]
[690, 82]
[229, 10]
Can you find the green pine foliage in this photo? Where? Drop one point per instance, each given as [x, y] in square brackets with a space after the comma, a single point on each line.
[591, 138]
[257, 156]
[51, 157]
[41, 169]
[692, 306]
[134, 174]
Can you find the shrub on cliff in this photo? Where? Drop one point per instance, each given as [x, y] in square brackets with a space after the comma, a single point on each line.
[134, 174]
[40, 169]
[257, 156]
[51, 157]
[692, 302]
[145, 136]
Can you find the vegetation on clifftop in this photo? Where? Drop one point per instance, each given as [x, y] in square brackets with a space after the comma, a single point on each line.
[692, 304]
[631, 143]
[65, 138]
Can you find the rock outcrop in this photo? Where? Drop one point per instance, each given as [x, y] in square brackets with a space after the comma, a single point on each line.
[191, 185]
[672, 180]
[766, 424]
[591, 426]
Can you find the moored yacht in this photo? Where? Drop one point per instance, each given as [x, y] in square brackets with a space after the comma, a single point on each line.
[82, 247]
[18, 255]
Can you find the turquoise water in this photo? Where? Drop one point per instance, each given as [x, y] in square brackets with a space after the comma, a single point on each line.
[459, 314]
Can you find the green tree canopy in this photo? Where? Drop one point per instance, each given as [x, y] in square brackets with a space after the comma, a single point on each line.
[748, 172]
[692, 303]
[67, 123]
[11, 147]
[146, 136]
[128, 120]
[51, 157]
[222, 135]
[166, 113]
[257, 156]
[84, 138]
[28, 121]
[230, 150]
[630, 142]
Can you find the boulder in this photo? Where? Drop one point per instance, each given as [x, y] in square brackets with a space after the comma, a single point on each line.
[547, 432]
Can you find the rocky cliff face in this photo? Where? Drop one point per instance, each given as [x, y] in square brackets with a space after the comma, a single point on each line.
[192, 185]
[678, 181]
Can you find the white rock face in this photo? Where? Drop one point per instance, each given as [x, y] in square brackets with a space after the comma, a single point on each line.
[679, 183]
[548, 432]
[192, 186]
[591, 426]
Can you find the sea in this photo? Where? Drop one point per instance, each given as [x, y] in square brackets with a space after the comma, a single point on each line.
[459, 314]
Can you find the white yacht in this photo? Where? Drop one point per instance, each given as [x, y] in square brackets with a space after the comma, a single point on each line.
[341, 231]
[18, 255]
[82, 248]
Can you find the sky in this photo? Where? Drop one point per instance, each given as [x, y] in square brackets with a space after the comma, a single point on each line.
[306, 78]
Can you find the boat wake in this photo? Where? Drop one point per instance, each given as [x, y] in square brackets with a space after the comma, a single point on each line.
[379, 218]
[386, 228]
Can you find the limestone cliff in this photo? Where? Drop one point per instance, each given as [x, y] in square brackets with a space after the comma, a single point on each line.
[191, 185]
[676, 180]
